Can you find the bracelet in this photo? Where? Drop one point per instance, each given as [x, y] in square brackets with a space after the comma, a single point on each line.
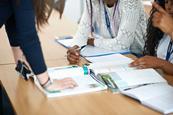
[46, 84]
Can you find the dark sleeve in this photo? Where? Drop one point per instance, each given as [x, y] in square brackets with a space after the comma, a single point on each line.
[27, 35]
[5, 11]
[10, 27]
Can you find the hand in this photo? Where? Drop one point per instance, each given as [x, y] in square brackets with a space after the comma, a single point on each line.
[73, 55]
[62, 84]
[147, 62]
[162, 20]
[90, 41]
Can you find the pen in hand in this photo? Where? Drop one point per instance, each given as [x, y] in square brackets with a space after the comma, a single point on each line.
[73, 54]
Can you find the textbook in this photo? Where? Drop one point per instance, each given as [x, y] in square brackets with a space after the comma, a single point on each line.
[145, 85]
[123, 77]
[80, 75]
[87, 50]
[155, 96]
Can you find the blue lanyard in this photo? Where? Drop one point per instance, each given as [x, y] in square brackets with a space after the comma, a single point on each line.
[108, 21]
[169, 51]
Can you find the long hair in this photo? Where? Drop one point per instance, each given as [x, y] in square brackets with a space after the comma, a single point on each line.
[154, 35]
[43, 9]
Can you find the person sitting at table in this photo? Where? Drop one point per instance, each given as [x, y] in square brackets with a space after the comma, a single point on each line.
[158, 46]
[111, 24]
[19, 16]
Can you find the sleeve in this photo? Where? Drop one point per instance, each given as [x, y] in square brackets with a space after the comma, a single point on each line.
[27, 35]
[130, 15]
[84, 27]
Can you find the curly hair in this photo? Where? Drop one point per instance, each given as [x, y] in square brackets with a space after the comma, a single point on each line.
[154, 35]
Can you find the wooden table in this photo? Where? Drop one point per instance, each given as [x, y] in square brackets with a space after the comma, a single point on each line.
[28, 100]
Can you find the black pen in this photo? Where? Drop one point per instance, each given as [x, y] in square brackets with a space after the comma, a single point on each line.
[82, 47]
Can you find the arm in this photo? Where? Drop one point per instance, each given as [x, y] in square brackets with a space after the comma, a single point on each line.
[153, 62]
[27, 38]
[125, 37]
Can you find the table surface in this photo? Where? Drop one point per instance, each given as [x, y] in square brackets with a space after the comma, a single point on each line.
[27, 99]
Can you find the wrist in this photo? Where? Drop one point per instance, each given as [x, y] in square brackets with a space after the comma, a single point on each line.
[90, 41]
[43, 77]
[161, 64]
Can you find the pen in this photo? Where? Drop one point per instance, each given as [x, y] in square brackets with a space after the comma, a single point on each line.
[82, 47]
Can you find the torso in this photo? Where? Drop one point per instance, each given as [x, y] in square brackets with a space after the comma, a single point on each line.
[163, 47]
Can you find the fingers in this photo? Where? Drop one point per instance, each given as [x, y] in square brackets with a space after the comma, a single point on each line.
[156, 19]
[66, 83]
[73, 55]
[158, 8]
[139, 64]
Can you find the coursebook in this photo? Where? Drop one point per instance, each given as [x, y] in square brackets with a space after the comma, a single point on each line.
[81, 75]
[145, 85]
[86, 50]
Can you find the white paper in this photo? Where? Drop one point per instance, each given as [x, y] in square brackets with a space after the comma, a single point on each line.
[88, 51]
[85, 82]
[137, 77]
[113, 58]
[157, 96]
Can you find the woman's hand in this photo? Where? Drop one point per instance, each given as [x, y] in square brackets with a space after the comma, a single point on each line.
[162, 20]
[65, 83]
[73, 55]
[90, 41]
[147, 62]
[62, 84]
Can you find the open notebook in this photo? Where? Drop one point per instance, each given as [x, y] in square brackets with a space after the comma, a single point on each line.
[156, 96]
[145, 85]
[87, 51]
[123, 77]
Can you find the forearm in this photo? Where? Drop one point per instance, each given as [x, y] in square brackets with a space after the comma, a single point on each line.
[166, 66]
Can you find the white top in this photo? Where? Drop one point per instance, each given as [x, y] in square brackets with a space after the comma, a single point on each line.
[163, 47]
[128, 29]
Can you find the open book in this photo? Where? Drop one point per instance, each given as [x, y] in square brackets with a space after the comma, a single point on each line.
[123, 77]
[79, 74]
[145, 85]
[156, 96]
[87, 51]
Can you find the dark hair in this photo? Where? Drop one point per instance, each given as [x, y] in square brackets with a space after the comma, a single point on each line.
[154, 35]
[43, 9]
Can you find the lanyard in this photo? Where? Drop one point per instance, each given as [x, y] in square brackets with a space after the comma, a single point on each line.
[169, 51]
[108, 21]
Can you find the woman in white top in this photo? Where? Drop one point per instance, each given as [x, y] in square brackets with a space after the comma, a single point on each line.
[111, 24]
[159, 44]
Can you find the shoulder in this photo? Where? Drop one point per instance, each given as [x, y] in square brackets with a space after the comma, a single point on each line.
[130, 4]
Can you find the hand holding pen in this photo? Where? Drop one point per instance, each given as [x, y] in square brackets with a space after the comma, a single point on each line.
[73, 54]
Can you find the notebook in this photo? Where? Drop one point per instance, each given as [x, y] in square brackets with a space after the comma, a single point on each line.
[155, 96]
[124, 77]
[145, 85]
[87, 51]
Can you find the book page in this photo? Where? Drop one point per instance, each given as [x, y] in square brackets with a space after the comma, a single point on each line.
[110, 64]
[91, 51]
[129, 79]
[85, 82]
[148, 91]
[88, 51]
[162, 103]
[115, 58]
[157, 96]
